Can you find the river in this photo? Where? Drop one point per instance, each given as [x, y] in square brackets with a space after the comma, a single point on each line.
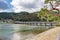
[8, 32]
[14, 31]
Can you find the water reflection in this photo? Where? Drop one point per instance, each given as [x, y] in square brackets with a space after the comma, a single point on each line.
[9, 31]
[6, 31]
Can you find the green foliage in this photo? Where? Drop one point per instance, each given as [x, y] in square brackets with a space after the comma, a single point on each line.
[46, 1]
[48, 16]
[54, 2]
[42, 15]
[23, 16]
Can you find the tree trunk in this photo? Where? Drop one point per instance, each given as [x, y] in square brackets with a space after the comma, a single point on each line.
[52, 8]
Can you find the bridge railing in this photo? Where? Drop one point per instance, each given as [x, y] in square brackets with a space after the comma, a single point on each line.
[38, 23]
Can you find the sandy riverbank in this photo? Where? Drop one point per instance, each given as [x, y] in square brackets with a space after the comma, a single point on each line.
[52, 34]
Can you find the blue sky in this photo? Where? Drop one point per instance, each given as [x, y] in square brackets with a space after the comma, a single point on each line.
[21, 5]
[5, 6]
[8, 1]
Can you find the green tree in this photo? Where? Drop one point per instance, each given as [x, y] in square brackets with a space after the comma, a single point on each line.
[53, 4]
[44, 15]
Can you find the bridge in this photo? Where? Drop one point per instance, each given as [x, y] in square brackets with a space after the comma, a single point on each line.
[37, 23]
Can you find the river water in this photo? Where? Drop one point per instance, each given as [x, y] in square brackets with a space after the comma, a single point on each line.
[9, 31]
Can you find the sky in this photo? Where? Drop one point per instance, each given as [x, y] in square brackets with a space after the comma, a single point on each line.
[21, 5]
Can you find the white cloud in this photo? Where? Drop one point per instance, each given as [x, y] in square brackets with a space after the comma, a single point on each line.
[27, 5]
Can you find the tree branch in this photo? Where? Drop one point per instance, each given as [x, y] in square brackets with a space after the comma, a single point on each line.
[52, 8]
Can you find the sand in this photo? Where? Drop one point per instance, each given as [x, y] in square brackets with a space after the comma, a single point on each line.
[52, 34]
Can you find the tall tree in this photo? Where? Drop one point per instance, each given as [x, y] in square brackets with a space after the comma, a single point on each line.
[53, 5]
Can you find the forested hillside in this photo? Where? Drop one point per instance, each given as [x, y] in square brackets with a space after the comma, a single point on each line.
[42, 15]
[22, 16]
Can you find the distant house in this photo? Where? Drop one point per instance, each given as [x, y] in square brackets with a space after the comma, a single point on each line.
[6, 20]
